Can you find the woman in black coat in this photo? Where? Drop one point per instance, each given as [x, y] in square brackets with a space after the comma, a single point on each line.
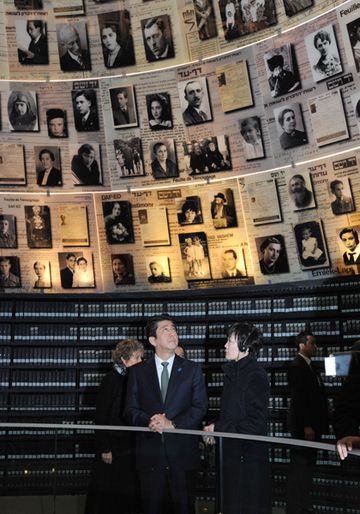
[244, 406]
[113, 482]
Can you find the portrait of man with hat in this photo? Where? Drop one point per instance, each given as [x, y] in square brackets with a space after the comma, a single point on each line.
[223, 210]
[281, 80]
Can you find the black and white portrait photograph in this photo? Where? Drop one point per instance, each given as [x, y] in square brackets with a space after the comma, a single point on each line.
[32, 41]
[290, 126]
[311, 245]
[85, 110]
[353, 30]
[209, 155]
[8, 234]
[116, 39]
[301, 192]
[349, 244]
[73, 47]
[76, 269]
[205, 19]
[272, 254]
[158, 269]
[342, 201]
[118, 222]
[86, 164]
[251, 138]
[159, 111]
[157, 35]
[122, 266]
[38, 226]
[9, 271]
[163, 159]
[129, 157]
[123, 106]
[323, 53]
[189, 210]
[222, 208]
[56, 122]
[245, 17]
[28, 4]
[195, 256]
[292, 7]
[41, 275]
[282, 70]
[22, 111]
[194, 101]
[48, 166]
[230, 263]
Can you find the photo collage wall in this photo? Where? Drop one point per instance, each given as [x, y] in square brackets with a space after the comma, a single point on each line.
[130, 182]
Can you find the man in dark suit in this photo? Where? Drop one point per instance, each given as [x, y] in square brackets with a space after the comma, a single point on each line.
[67, 273]
[229, 259]
[74, 58]
[308, 420]
[85, 111]
[158, 43]
[123, 114]
[194, 94]
[166, 392]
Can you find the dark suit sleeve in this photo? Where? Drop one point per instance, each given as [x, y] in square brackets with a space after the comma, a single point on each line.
[300, 398]
[191, 417]
[104, 406]
[133, 413]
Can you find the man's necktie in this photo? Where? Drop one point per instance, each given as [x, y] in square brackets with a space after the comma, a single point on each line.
[351, 258]
[203, 115]
[164, 380]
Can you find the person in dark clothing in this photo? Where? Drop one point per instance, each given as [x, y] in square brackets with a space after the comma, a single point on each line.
[346, 419]
[113, 481]
[307, 419]
[290, 137]
[244, 407]
[85, 168]
[281, 81]
[37, 52]
[117, 50]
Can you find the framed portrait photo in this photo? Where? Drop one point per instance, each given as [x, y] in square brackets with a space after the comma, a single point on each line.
[195, 101]
[248, 17]
[122, 266]
[323, 53]
[282, 71]
[208, 155]
[158, 40]
[9, 271]
[159, 111]
[195, 256]
[222, 208]
[301, 192]
[73, 47]
[290, 126]
[85, 110]
[341, 196]
[129, 157]
[86, 164]
[189, 211]
[251, 138]
[163, 159]
[38, 226]
[8, 233]
[57, 123]
[158, 269]
[230, 263]
[123, 107]
[118, 222]
[116, 39]
[353, 33]
[76, 270]
[311, 245]
[205, 19]
[41, 275]
[23, 111]
[32, 41]
[272, 254]
[48, 166]
[349, 245]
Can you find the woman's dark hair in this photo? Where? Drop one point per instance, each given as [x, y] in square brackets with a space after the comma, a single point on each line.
[163, 101]
[247, 336]
[45, 150]
[86, 148]
[115, 28]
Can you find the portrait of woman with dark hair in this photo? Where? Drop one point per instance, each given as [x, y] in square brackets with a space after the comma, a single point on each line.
[22, 111]
[85, 168]
[123, 269]
[46, 172]
[159, 111]
[116, 39]
[37, 51]
[272, 255]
